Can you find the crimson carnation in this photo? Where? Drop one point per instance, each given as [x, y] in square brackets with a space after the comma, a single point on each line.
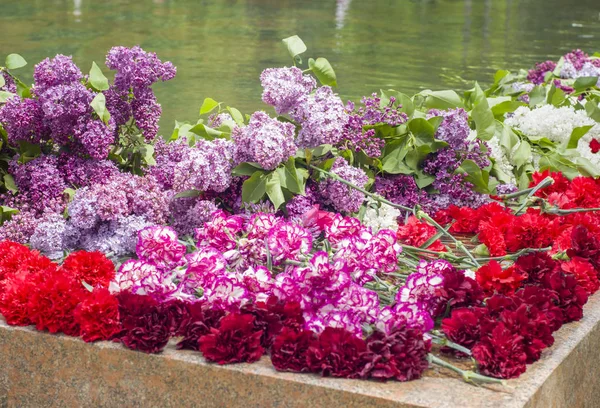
[12, 256]
[493, 279]
[585, 245]
[176, 312]
[337, 353]
[288, 352]
[94, 268]
[466, 219]
[14, 299]
[457, 290]
[401, 354]
[529, 230]
[198, 322]
[536, 266]
[571, 296]
[145, 327]
[53, 302]
[544, 300]
[271, 316]
[463, 326]
[583, 192]
[415, 233]
[98, 316]
[234, 341]
[500, 353]
[584, 272]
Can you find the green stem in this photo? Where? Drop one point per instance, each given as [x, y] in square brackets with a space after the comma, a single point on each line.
[457, 243]
[467, 375]
[558, 211]
[512, 257]
[442, 340]
[544, 183]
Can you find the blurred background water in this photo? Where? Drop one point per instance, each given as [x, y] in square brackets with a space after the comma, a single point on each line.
[220, 47]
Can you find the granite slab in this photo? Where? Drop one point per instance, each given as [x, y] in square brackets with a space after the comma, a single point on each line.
[44, 370]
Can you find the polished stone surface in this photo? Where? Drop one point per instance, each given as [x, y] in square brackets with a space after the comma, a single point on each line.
[43, 370]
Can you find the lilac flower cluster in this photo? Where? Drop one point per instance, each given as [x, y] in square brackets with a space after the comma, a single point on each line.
[9, 83]
[337, 194]
[403, 190]
[454, 128]
[131, 95]
[322, 117]
[537, 74]
[283, 88]
[265, 141]
[578, 64]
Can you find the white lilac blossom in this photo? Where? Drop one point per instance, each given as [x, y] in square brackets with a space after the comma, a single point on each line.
[379, 216]
[116, 237]
[49, 236]
[322, 117]
[339, 195]
[284, 87]
[265, 141]
[501, 160]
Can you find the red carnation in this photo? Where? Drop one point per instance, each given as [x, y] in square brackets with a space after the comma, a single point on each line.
[584, 272]
[145, 327]
[583, 192]
[401, 354]
[560, 185]
[500, 353]
[98, 316]
[176, 312]
[271, 316]
[466, 219]
[234, 341]
[463, 326]
[529, 230]
[595, 146]
[288, 352]
[493, 238]
[53, 302]
[14, 299]
[198, 322]
[493, 279]
[337, 353]
[12, 256]
[416, 233]
[94, 268]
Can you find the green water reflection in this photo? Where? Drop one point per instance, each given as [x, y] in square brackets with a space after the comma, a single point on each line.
[220, 47]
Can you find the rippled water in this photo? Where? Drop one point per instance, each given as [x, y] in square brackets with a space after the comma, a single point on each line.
[220, 47]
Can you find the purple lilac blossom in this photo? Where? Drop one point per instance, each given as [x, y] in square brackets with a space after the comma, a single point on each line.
[115, 237]
[24, 120]
[454, 128]
[537, 74]
[337, 194]
[322, 117]
[403, 190]
[57, 71]
[49, 236]
[284, 87]
[265, 141]
[80, 172]
[9, 83]
[189, 213]
[137, 68]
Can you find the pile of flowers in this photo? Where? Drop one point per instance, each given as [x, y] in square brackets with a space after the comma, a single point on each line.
[350, 240]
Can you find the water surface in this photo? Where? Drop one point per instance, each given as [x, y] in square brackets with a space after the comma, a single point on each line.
[220, 47]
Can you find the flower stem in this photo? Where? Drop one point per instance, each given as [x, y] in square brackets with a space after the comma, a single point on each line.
[531, 191]
[439, 338]
[467, 375]
[512, 257]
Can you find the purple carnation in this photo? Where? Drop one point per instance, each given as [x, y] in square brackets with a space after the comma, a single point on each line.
[340, 196]
[265, 141]
[142, 278]
[283, 87]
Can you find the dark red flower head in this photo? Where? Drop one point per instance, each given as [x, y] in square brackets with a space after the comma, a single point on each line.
[457, 290]
[463, 326]
[571, 296]
[234, 341]
[536, 266]
[337, 353]
[199, 320]
[401, 354]
[288, 352]
[544, 300]
[585, 245]
[500, 353]
[584, 272]
[94, 268]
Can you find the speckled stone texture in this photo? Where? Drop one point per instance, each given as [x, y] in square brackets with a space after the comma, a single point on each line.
[43, 370]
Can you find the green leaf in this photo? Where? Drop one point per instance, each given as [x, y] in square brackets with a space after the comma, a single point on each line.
[423, 180]
[99, 106]
[274, 191]
[586, 167]
[236, 115]
[70, 192]
[97, 79]
[9, 183]
[323, 71]
[584, 83]
[147, 152]
[295, 45]
[5, 96]
[254, 188]
[522, 154]
[593, 110]
[442, 99]
[2, 81]
[485, 122]
[393, 159]
[537, 95]
[503, 108]
[479, 178]
[246, 169]
[288, 177]
[14, 61]
[6, 213]
[506, 136]
[577, 134]
[208, 105]
[187, 194]
[207, 132]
